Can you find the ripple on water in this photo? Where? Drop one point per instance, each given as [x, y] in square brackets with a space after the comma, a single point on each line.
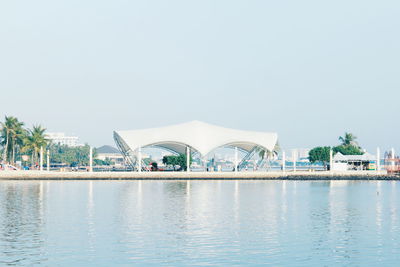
[199, 223]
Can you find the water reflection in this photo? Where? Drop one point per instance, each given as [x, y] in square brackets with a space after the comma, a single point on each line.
[91, 219]
[393, 208]
[199, 223]
[21, 223]
[379, 216]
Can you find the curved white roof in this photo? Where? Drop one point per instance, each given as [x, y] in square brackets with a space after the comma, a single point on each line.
[200, 136]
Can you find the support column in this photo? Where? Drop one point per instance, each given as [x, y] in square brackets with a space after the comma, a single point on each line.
[139, 158]
[330, 159]
[236, 159]
[283, 161]
[188, 159]
[91, 159]
[378, 159]
[48, 160]
[41, 158]
[294, 158]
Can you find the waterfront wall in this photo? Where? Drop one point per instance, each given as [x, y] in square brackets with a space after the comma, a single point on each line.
[322, 175]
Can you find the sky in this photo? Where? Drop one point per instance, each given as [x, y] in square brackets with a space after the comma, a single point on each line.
[309, 70]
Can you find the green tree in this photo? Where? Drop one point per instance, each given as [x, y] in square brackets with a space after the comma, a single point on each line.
[6, 128]
[12, 135]
[154, 166]
[99, 162]
[182, 162]
[170, 160]
[348, 139]
[348, 150]
[19, 136]
[320, 154]
[34, 141]
[72, 156]
[179, 160]
[349, 145]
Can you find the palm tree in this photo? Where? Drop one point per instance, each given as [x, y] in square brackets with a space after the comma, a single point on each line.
[34, 141]
[20, 138]
[348, 139]
[12, 134]
[267, 154]
[17, 136]
[6, 128]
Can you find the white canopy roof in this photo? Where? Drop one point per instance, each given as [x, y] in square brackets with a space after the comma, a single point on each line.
[365, 157]
[201, 137]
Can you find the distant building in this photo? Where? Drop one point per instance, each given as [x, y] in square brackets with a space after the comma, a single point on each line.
[110, 153]
[62, 139]
[354, 162]
[301, 154]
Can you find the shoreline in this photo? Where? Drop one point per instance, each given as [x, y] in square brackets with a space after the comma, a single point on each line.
[103, 176]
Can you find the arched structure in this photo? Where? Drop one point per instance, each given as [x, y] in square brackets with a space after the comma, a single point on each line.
[198, 136]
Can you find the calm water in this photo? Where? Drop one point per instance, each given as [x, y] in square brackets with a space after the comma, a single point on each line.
[275, 223]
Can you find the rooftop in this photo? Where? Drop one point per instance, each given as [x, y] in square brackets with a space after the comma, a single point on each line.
[107, 150]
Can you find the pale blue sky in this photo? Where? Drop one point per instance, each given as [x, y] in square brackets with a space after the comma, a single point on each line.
[309, 70]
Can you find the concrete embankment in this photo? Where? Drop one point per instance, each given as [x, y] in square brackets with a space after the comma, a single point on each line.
[322, 175]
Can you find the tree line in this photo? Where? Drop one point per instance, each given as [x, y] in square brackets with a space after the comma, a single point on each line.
[17, 141]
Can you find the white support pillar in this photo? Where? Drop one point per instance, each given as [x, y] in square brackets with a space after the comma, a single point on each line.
[188, 159]
[48, 160]
[91, 159]
[283, 161]
[236, 159]
[330, 159]
[378, 159]
[294, 159]
[139, 158]
[41, 158]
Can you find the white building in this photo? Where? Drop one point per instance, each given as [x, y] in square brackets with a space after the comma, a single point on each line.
[110, 153]
[62, 139]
